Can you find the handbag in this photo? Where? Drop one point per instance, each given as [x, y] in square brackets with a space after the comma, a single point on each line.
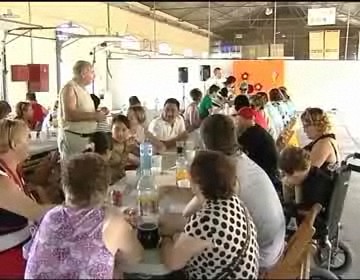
[226, 272]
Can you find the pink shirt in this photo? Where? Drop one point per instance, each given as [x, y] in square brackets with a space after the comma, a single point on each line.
[192, 117]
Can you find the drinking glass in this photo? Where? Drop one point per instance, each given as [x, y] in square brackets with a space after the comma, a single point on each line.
[156, 166]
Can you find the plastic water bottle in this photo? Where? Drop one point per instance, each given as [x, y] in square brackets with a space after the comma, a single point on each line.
[147, 194]
[182, 176]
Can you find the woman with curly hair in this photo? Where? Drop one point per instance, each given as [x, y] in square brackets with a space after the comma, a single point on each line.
[324, 151]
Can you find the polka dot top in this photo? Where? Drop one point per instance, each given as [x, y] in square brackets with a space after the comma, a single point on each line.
[224, 223]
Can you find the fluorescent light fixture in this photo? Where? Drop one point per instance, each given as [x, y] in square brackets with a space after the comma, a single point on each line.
[188, 53]
[204, 54]
[64, 30]
[130, 43]
[164, 48]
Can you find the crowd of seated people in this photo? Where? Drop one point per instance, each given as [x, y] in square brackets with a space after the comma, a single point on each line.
[236, 184]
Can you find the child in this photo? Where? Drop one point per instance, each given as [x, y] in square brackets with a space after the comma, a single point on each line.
[122, 146]
[102, 125]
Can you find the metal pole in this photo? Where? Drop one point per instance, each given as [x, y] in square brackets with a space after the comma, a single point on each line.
[209, 27]
[58, 44]
[154, 17]
[108, 19]
[274, 41]
[347, 35]
[93, 63]
[31, 39]
[4, 71]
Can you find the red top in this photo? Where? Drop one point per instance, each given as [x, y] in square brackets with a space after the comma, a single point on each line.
[260, 120]
[39, 114]
[249, 113]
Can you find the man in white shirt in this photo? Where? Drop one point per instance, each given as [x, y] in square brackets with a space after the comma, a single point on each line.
[217, 79]
[254, 189]
[169, 127]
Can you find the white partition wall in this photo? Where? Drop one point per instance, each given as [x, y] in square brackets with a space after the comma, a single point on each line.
[155, 80]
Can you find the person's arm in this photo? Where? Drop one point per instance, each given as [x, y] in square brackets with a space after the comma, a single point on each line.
[71, 112]
[16, 201]
[183, 134]
[320, 153]
[158, 145]
[193, 206]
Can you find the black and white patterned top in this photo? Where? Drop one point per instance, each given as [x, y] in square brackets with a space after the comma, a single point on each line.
[224, 224]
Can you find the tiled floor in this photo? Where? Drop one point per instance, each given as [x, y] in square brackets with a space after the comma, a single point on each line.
[349, 142]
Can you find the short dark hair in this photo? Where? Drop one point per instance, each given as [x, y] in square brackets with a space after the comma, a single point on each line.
[134, 100]
[219, 134]
[294, 159]
[213, 88]
[96, 100]
[121, 119]
[283, 91]
[224, 92]
[275, 95]
[85, 177]
[5, 109]
[230, 80]
[214, 173]
[31, 96]
[172, 101]
[217, 69]
[102, 142]
[195, 94]
[241, 101]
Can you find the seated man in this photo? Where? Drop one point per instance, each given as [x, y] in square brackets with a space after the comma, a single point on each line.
[316, 186]
[170, 126]
[259, 145]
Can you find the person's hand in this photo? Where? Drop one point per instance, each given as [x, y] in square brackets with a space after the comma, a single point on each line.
[130, 215]
[105, 110]
[100, 116]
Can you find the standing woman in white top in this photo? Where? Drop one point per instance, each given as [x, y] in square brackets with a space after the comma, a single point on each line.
[77, 115]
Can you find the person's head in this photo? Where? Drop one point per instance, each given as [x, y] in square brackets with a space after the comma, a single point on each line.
[136, 115]
[101, 143]
[244, 88]
[295, 164]
[31, 97]
[241, 101]
[224, 92]
[24, 111]
[134, 101]
[213, 175]
[315, 123]
[230, 82]
[284, 93]
[5, 109]
[14, 139]
[96, 100]
[83, 72]
[120, 128]
[171, 110]
[213, 90]
[245, 117]
[275, 95]
[257, 102]
[196, 95]
[85, 180]
[217, 72]
[219, 134]
[264, 96]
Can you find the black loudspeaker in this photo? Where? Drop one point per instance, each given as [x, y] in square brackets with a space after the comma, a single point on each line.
[183, 75]
[204, 72]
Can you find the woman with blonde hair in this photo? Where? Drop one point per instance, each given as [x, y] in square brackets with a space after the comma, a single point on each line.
[17, 206]
[137, 118]
[324, 151]
[25, 113]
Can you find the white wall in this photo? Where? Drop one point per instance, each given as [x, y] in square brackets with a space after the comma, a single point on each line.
[156, 78]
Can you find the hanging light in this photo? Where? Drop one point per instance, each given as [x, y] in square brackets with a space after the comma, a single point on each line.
[268, 11]
[164, 48]
[188, 53]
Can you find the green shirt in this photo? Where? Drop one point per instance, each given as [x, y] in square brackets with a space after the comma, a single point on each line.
[205, 105]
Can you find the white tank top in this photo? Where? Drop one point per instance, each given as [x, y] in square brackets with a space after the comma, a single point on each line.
[84, 103]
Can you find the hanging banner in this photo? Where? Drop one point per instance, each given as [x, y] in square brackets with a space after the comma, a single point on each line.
[332, 44]
[316, 45]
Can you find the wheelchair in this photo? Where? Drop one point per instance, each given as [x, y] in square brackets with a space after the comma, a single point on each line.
[332, 254]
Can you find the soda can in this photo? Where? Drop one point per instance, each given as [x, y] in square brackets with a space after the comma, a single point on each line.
[116, 198]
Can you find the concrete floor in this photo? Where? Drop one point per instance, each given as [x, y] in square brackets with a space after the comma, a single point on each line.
[349, 141]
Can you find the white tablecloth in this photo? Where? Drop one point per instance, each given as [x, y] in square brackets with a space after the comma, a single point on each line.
[39, 146]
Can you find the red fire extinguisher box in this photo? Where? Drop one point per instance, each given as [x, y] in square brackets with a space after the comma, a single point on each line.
[19, 73]
[38, 77]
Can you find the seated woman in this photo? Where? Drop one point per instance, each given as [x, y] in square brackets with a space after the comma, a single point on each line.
[220, 239]
[79, 240]
[5, 109]
[137, 118]
[17, 205]
[316, 186]
[25, 113]
[324, 151]
[123, 144]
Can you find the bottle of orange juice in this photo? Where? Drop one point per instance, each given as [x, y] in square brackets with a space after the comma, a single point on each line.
[182, 176]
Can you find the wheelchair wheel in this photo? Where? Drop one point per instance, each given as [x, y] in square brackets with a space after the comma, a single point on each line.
[341, 258]
[321, 273]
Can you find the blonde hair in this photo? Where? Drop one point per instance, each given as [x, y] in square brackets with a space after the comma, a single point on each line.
[318, 118]
[79, 67]
[11, 133]
[139, 112]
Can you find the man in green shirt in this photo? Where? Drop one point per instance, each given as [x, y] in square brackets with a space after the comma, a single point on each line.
[206, 104]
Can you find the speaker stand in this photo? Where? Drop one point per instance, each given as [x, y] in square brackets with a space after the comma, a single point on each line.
[183, 96]
[204, 88]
